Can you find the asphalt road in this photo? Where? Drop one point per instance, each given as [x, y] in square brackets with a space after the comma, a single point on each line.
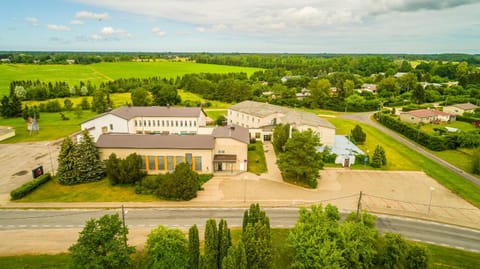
[183, 218]
[365, 118]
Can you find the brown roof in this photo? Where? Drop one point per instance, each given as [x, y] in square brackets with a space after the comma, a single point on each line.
[156, 141]
[425, 113]
[232, 131]
[466, 106]
[127, 112]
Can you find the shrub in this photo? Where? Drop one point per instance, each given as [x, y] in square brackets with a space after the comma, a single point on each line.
[28, 187]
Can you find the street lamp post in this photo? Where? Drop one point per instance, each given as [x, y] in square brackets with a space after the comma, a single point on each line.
[430, 202]
[51, 159]
[244, 188]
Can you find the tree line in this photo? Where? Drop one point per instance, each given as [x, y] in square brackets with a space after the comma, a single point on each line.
[320, 239]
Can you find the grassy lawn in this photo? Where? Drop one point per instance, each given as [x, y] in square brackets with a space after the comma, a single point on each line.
[51, 126]
[256, 159]
[99, 72]
[440, 257]
[400, 157]
[99, 191]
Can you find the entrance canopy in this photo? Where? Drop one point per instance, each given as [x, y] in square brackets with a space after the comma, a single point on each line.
[225, 158]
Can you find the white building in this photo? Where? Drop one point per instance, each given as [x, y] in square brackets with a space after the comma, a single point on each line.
[147, 120]
[261, 118]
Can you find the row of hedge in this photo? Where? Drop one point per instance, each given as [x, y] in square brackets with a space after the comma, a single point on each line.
[28, 187]
[427, 140]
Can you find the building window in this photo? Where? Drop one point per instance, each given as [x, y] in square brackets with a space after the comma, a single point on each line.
[170, 163]
[178, 160]
[111, 127]
[188, 158]
[144, 165]
[151, 163]
[198, 163]
[161, 163]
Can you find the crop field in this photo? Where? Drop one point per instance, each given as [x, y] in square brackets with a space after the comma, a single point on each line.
[99, 72]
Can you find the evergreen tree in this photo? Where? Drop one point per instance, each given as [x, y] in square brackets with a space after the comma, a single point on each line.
[193, 247]
[358, 135]
[256, 238]
[224, 241]
[280, 137]
[211, 245]
[67, 169]
[379, 158]
[89, 165]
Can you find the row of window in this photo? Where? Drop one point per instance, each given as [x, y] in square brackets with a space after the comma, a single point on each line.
[247, 117]
[165, 123]
[169, 163]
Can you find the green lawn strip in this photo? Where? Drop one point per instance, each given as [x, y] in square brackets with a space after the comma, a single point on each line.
[444, 257]
[51, 125]
[59, 261]
[256, 159]
[461, 157]
[401, 157]
[99, 191]
[100, 72]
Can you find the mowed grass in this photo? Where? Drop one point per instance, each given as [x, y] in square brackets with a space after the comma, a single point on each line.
[51, 125]
[99, 72]
[400, 157]
[99, 191]
[256, 159]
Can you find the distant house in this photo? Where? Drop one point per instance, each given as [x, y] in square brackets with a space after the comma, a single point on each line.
[369, 88]
[286, 78]
[459, 109]
[399, 74]
[303, 93]
[261, 119]
[426, 116]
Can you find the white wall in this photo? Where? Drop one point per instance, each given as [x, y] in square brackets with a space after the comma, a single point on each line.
[104, 124]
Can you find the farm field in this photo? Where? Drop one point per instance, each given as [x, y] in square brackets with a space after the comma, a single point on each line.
[99, 72]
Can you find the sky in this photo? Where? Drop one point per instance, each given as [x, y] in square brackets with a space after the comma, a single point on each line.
[245, 26]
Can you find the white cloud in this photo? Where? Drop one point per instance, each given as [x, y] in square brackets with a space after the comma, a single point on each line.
[76, 22]
[32, 20]
[87, 15]
[157, 31]
[58, 27]
[110, 33]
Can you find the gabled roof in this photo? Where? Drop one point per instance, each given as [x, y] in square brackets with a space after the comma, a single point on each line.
[465, 106]
[117, 140]
[128, 113]
[425, 113]
[288, 115]
[232, 131]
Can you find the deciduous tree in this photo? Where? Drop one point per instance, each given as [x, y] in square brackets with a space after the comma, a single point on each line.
[102, 244]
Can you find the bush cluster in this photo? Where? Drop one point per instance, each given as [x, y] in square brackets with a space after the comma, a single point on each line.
[124, 171]
[28, 187]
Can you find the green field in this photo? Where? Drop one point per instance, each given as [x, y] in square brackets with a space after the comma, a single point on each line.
[99, 72]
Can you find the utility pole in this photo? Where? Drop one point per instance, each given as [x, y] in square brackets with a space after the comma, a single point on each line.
[359, 204]
[124, 228]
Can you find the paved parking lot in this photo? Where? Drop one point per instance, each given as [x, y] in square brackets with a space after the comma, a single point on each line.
[18, 160]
